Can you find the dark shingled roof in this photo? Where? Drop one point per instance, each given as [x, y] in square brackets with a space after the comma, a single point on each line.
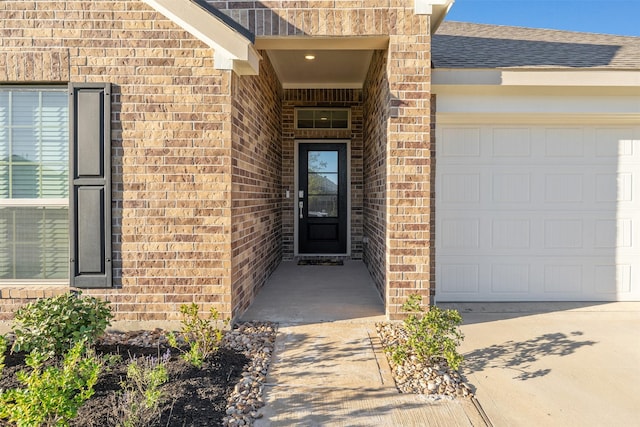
[467, 45]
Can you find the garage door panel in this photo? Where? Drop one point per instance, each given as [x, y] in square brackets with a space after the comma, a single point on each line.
[586, 188]
[539, 145]
[605, 274]
[563, 234]
[511, 233]
[564, 142]
[564, 278]
[538, 213]
[614, 187]
[510, 143]
[529, 233]
[462, 142]
[615, 143]
[460, 233]
[514, 278]
[543, 278]
[460, 278]
[511, 187]
[613, 233]
[460, 187]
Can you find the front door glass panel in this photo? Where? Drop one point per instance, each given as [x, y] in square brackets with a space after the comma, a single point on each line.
[322, 175]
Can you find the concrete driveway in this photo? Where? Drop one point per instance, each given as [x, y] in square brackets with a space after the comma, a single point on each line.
[554, 364]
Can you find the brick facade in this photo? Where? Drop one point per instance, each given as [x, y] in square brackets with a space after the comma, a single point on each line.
[256, 207]
[409, 149]
[202, 157]
[171, 139]
[376, 111]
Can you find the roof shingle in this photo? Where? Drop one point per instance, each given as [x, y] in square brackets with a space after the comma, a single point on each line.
[468, 45]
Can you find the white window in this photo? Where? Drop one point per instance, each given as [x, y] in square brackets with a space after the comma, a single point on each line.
[34, 184]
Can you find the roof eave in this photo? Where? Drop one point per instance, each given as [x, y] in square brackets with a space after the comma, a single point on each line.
[438, 10]
[232, 45]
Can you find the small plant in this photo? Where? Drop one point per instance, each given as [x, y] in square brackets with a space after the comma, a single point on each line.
[139, 402]
[430, 335]
[52, 394]
[202, 336]
[3, 350]
[54, 325]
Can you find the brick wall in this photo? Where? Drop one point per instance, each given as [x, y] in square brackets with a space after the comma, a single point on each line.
[376, 112]
[173, 144]
[336, 98]
[323, 17]
[409, 150]
[171, 137]
[256, 211]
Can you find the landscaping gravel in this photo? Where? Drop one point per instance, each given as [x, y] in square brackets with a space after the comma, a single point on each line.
[414, 376]
[256, 341]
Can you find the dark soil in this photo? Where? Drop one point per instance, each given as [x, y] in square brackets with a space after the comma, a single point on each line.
[193, 397]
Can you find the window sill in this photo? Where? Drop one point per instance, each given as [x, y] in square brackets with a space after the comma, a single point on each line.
[32, 290]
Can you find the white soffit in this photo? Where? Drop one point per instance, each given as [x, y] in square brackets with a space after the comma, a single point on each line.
[232, 50]
[331, 69]
[338, 62]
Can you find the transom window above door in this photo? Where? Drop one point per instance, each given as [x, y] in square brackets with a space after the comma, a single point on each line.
[322, 118]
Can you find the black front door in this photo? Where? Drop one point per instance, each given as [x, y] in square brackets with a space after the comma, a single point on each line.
[322, 198]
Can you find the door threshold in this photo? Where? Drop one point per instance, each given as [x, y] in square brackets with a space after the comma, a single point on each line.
[321, 261]
[312, 256]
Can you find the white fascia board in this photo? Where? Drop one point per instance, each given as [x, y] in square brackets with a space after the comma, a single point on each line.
[438, 9]
[533, 101]
[322, 43]
[323, 85]
[232, 51]
[425, 7]
[250, 66]
[564, 119]
[568, 78]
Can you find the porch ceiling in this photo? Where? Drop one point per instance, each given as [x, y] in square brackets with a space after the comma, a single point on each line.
[338, 62]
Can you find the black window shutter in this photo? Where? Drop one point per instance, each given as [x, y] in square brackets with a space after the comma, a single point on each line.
[90, 184]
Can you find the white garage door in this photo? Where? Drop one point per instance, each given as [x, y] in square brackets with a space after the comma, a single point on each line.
[538, 213]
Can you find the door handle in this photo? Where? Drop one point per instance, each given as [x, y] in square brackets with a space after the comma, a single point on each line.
[301, 208]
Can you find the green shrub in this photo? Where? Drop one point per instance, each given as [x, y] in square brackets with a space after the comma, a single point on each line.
[202, 336]
[54, 325]
[3, 350]
[431, 335]
[139, 402]
[52, 394]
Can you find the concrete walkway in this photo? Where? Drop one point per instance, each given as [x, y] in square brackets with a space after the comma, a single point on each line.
[328, 368]
[554, 364]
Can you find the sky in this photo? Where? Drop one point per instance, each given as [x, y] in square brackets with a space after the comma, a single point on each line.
[620, 17]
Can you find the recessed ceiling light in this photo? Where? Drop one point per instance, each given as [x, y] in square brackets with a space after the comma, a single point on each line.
[309, 57]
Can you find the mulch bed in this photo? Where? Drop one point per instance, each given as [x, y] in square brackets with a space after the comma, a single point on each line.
[195, 397]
